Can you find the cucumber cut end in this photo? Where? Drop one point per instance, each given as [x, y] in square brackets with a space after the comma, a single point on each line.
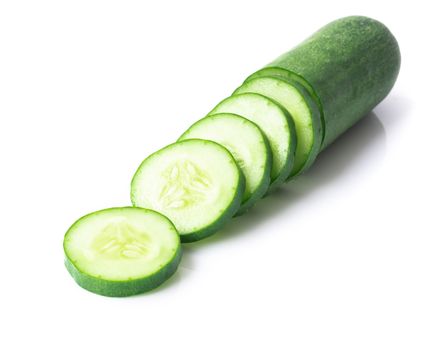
[247, 144]
[196, 183]
[122, 251]
[295, 79]
[303, 111]
[274, 121]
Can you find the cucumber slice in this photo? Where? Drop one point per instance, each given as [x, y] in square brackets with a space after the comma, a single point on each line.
[196, 183]
[303, 110]
[275, 122]
[287, 75]
[295, 79]
[247, 144]
[122, 251]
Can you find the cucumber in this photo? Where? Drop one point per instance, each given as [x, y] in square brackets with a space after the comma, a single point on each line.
[294, 79]
[279, 72]
[122, 251]
[303, 110]
[247, 144]
[351, 64]
[275, 122]
[195, 183]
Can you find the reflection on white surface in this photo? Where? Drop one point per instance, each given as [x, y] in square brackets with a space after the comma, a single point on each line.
[356, 153]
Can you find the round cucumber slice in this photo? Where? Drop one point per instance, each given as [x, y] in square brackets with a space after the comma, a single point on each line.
[275, 122]
[247, 144]
[122, 251]
[196, 183]
[295, 79]
[303, 110]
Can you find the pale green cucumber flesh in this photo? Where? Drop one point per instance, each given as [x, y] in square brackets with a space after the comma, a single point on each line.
[195, 183]
[248, 145]
[294, 79]
[122, 251]
[275, 122]
[303, 110]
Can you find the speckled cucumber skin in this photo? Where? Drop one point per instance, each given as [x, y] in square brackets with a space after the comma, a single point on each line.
[351, 63]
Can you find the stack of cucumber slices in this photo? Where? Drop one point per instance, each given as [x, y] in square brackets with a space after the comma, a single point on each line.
[270, 130]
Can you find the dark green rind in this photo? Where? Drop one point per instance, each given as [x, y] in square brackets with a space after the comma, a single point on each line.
[122, 288]
[224, 217]
[263, 186]
[289, 164]
[315, 120]
[351, 63]
[293, 78]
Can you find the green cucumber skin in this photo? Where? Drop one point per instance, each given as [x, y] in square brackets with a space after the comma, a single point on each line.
[122, 288]
[351, 63]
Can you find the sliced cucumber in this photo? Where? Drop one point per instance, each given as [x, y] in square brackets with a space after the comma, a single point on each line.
[303, 110]
[122, 251]
[275, 122]
[196, 183]
[247, 144]
[295, 79]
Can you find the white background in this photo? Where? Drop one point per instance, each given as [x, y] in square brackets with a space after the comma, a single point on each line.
[350, 256]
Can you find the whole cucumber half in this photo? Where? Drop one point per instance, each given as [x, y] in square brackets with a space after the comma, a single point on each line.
[351, 64]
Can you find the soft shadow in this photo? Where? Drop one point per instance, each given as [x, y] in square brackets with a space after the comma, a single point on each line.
[394, 109]
[342, 154]
[332, 163]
